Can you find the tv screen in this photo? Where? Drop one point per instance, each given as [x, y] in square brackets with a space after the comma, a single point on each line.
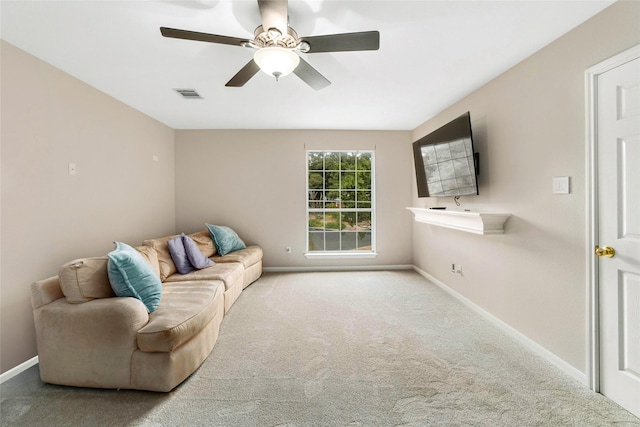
[445, 161]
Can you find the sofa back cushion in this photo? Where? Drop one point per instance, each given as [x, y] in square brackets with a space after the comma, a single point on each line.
[167, 267]
[151, 255]
[85, 279]
[204, 242]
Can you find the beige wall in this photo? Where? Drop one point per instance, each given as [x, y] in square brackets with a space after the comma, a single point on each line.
[48, 217]
[254, 181]
[529, 127]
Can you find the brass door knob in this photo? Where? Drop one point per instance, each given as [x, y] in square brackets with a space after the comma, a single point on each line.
[607, 251]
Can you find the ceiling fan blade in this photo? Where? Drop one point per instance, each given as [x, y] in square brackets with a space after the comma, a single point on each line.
[244, 75]
[366, 40]
[275, 14]
[201, 37]
[310, 75]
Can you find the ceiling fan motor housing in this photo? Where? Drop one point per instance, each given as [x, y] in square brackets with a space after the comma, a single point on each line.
[273, 37]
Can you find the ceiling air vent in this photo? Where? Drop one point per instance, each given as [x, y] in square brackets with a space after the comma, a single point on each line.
[188, 93]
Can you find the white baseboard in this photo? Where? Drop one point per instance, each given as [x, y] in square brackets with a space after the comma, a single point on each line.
[518, 336]
[337, 268]
[18, 369]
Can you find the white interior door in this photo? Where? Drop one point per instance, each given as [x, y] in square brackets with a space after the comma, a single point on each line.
[618, 194]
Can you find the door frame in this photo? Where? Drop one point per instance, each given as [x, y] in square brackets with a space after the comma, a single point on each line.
[591, 199]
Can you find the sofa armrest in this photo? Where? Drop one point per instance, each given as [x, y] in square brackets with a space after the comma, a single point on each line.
[88, 344]
[45, 291]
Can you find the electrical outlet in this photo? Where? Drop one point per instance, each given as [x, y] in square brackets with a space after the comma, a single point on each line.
[287, 249]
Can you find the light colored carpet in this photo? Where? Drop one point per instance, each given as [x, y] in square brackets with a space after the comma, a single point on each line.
[340, 349]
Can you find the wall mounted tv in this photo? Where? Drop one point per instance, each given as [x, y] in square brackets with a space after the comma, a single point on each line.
[446, 163]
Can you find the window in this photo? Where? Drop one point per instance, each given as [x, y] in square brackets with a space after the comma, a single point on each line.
[340, 202]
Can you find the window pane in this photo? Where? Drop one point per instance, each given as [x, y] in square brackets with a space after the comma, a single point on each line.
[363, 199]
[364, 180]
[316, 161]
[316, 199]
[332, 180]
[332, 239]
[315, 180]
[364, 196]
[348, 240]
[364, 221]
[316, 221]
[333, 200]
[364, 162]
[348, 161]
[348, 199]
[364, 240]
[349, 220]
[332, 161]
[316, 241]
[332, 221]
[348, 180]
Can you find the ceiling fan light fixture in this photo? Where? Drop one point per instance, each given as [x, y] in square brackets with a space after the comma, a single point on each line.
[276, 61]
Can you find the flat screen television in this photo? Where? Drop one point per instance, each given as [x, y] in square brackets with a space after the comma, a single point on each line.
[445, 160]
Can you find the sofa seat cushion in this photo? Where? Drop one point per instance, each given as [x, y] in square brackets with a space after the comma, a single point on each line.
[185, 309]
[247, 257]
[229, 273]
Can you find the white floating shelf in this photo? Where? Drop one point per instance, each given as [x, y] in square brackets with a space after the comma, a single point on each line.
[471, 222]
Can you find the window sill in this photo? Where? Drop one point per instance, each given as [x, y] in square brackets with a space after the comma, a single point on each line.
[340, 255]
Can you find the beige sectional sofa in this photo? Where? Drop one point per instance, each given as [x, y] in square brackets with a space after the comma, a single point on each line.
[88, 337]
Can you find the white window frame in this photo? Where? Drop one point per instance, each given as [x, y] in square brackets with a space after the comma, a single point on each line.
[342, 253]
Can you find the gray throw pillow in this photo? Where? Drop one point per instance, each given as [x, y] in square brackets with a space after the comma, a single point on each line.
[179, 255]
[194, 254]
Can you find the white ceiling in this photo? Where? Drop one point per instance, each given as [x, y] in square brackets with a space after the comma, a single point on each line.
[432, 53]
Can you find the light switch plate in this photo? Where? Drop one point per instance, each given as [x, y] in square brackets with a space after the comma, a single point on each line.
[561, 185]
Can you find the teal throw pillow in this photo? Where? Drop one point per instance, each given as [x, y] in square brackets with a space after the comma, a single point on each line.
[130, 275]
[225, 239]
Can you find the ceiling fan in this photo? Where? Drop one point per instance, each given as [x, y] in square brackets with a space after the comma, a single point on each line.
[276, 46]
